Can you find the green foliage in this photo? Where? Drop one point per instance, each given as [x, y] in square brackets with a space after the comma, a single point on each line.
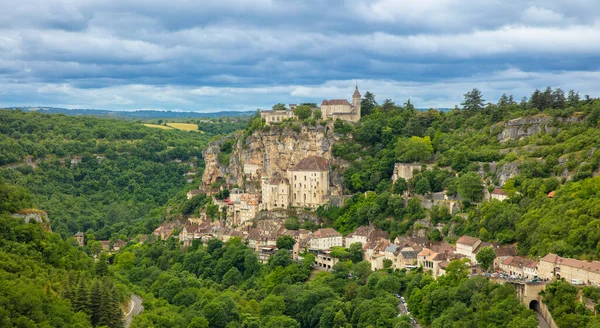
[470, 187]
[563, 302]
[279, 106]
[485, 257]
[415, 149]
[285, 242]
[126, 170]
[303, 112]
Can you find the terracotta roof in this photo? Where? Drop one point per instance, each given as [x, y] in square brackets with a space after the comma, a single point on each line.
[505, 251]
[467, 240]
[195, 191]
[356, 93]
[360, 231]
[335, 102]
[551, 194]
[579, 264]
[326, 232]
[312, 163]
[498, 191]
[276, 181]
[519, 262]
[79, 234]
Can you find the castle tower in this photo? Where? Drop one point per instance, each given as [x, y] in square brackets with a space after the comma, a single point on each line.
[356, 102]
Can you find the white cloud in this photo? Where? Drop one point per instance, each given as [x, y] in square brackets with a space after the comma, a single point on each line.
[538, 15]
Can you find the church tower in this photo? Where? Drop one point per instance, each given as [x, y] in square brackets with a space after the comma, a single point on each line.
[356, 102]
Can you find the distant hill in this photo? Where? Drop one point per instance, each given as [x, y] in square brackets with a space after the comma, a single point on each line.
[138, 114]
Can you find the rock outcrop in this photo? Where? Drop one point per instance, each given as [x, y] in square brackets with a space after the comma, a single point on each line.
[34, 215]
[271, 151]
[523, 127]
[519, 128]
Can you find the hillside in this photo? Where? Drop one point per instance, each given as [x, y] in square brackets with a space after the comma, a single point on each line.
[102, 176]
[525, 150]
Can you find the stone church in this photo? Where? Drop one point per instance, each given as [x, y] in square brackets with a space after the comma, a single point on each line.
[306, 185]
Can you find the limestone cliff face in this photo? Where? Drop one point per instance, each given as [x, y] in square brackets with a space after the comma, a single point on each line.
[29, 215]
[524, 127]
[273, 151]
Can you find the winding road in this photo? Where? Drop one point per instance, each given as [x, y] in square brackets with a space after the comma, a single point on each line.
[135, 308]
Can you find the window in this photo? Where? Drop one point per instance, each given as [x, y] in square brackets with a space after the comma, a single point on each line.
[295, 177]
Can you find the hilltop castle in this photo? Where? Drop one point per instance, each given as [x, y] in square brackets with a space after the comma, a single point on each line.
[334, 109]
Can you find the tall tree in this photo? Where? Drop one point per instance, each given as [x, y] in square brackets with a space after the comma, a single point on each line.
[573, 99]
[485, 257]
[279, 106]
[95, 302]
[473, 101]
[81, 301]
[367, 104]
[558, 99]
[285, 242]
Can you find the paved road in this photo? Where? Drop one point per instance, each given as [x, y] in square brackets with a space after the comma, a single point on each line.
[135, 308]
[404, 310]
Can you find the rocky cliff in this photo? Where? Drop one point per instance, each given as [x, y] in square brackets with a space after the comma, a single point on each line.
[523, 127]
[34, 215]
[272, 151]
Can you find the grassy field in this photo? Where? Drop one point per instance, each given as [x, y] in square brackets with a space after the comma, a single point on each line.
[184, 126]
[178, 126]
[158, 126]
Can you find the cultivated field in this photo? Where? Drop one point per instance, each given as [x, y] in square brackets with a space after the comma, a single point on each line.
[178, 126]
[158, 126]
[184, 126]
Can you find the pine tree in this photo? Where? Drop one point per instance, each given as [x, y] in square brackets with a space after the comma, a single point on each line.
[95, 302]
[110, 311]
[68, 290]
[473, 101]
[81, 302]
[573, 99]
[558, 99]
[101, 266]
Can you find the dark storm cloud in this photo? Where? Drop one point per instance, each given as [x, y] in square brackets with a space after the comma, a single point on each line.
[243, 54]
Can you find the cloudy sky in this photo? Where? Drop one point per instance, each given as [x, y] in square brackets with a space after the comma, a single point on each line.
[207, 55]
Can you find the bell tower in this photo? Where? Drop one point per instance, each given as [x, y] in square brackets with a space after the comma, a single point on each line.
[356, 102]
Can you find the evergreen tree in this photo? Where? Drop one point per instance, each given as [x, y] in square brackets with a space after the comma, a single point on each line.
[101, 266]
[573, 99]
[547, 99]
[95, 302]
[558, 99]
[536, 100]
[473, 101]
[367, 104]
[81, 301]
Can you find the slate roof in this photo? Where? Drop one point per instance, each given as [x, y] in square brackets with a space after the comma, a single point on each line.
[312, 163]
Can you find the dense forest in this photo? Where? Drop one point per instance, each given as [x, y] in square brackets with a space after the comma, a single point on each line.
[223, 285]
[109, 178]
[460, 146]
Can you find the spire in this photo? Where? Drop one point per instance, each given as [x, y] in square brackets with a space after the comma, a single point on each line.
[356, 92]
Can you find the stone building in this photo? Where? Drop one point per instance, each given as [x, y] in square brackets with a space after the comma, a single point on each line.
[467, 246]
[275, 193]
[575, 271]
[307, 185]
[276, 116]
[330, 109]
[520, 267]
[80, 238]
[325, 238]
[342, 109]
[309, 180]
